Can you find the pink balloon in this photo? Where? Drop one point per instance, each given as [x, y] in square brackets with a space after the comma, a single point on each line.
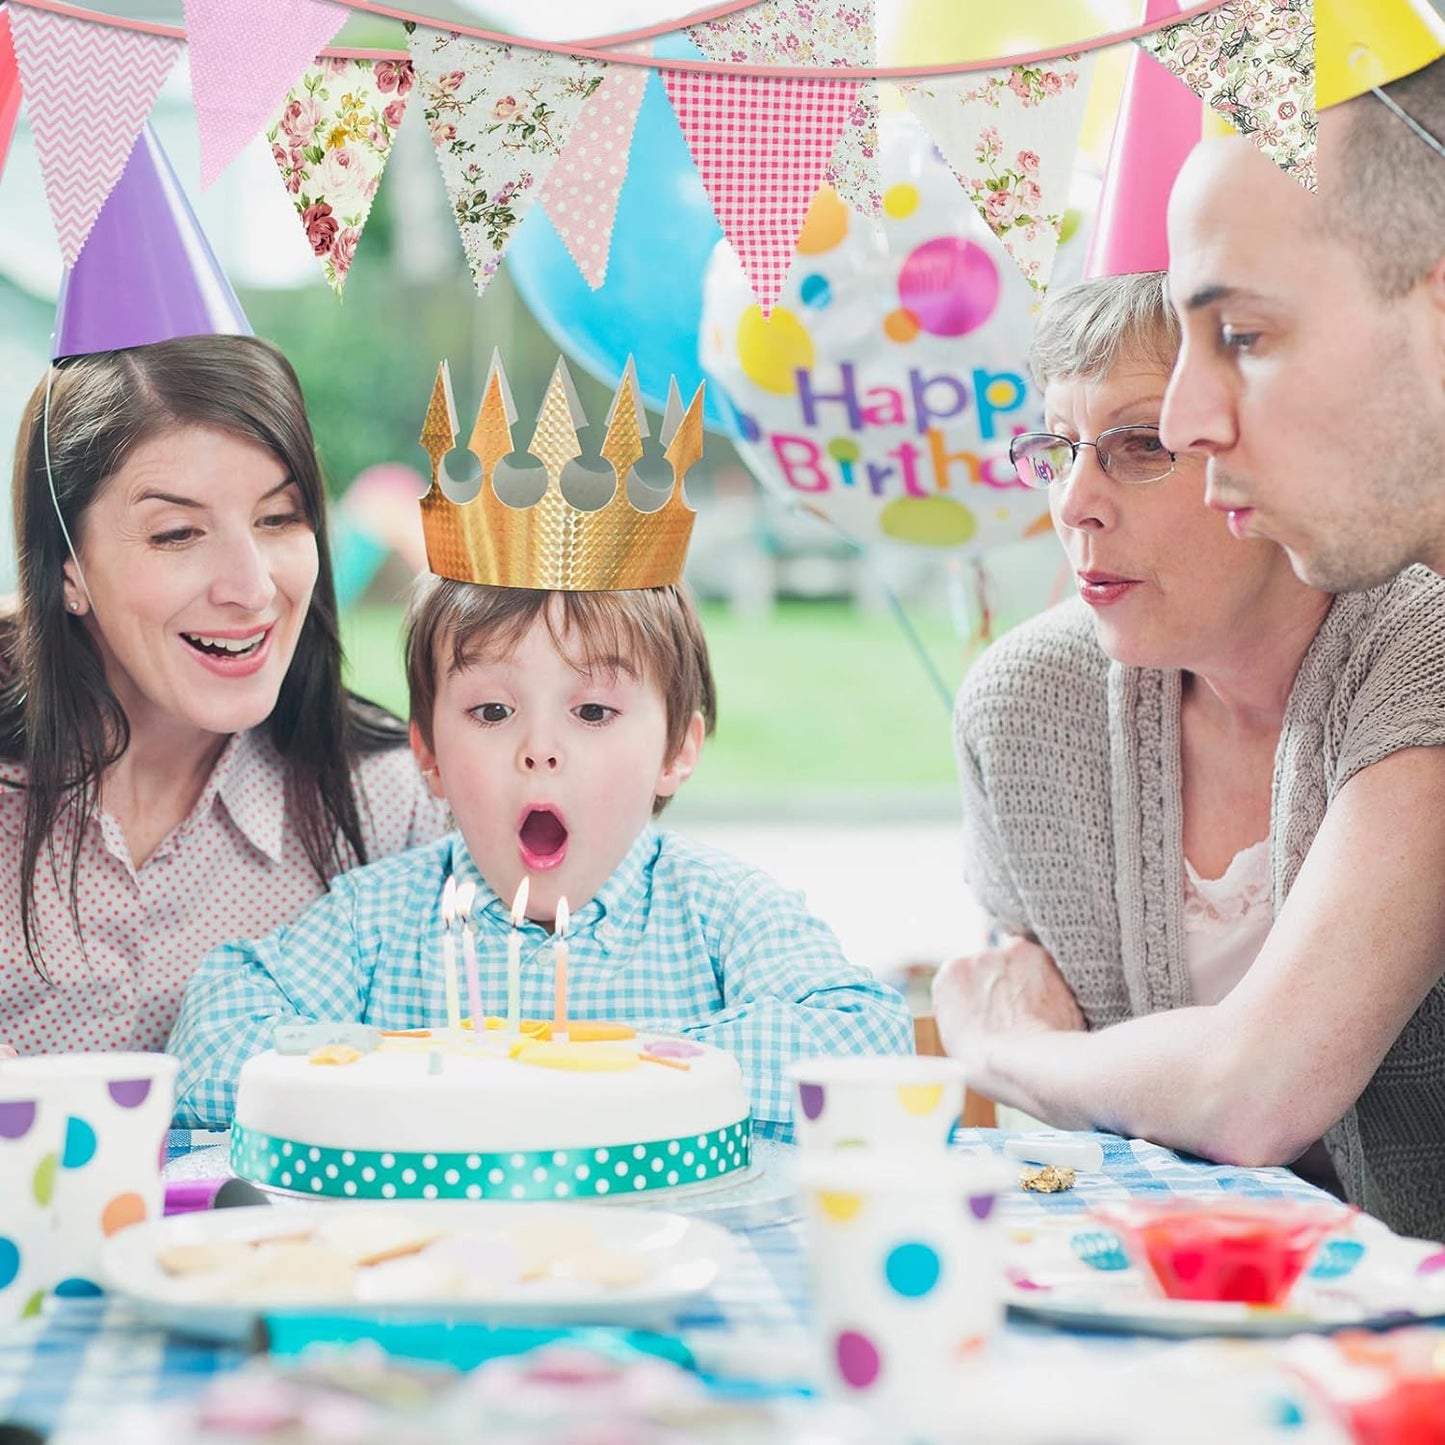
[950, 285]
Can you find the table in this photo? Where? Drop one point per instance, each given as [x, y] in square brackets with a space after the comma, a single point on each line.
[67, 1371]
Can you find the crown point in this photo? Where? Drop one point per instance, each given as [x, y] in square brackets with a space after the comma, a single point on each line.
[684, 446]
[626, 426]
[554, 443]
[491, 437]
[439, 430]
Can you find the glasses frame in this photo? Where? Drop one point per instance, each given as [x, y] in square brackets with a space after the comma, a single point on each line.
[1100, 446]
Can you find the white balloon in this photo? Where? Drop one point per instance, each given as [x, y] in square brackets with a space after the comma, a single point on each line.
[885, 389]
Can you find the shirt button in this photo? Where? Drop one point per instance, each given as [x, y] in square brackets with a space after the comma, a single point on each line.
[605, 933]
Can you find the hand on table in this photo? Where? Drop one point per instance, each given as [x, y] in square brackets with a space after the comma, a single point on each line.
[1012, 988]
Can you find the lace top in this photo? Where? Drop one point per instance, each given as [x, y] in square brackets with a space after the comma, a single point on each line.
[1226, 921]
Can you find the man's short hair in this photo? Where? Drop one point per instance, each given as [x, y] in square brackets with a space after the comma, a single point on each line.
[1384, 191]
[653, 633]
[1087, 329]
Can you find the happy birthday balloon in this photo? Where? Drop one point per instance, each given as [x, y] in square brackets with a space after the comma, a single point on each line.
[886, 386]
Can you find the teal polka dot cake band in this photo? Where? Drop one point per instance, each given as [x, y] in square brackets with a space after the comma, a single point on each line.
[591, 1173]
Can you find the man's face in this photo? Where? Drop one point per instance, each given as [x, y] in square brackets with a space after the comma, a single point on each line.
[1320, 405]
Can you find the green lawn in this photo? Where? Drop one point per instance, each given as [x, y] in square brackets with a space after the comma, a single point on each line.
[816, 700]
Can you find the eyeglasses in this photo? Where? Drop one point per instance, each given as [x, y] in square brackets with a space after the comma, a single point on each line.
[1127, 453]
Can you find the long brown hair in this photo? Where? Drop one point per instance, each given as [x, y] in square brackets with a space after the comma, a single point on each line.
[58, 715]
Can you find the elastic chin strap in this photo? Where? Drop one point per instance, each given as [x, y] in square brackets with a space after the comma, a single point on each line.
[54, 497]
[1433, 142]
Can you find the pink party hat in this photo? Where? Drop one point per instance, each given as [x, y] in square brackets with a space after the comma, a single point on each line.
[147, 272]
[1160, 121]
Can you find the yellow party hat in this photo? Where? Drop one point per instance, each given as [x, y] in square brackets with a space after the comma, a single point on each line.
[553, 544]
[1362, 44]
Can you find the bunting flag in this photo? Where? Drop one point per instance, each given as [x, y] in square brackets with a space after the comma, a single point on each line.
[9, 88]
[1253, 65]
[88, 89]
[331, 141]
[581, 191]
[245, 57]
[499, 117]
[762, 144]
[1010, 136]
[804, 32]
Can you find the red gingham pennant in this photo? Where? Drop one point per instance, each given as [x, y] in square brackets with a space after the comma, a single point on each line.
[762, 144]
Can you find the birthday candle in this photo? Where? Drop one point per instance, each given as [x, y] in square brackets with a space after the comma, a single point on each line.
[514, 958]
[449, 956]
[559, 953]
[465, 894]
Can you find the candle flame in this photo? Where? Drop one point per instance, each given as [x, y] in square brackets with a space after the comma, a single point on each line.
[562, 918]
[519, 902]
[449, 901]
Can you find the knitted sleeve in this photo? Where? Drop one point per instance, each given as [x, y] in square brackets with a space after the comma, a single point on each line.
[1393, 691]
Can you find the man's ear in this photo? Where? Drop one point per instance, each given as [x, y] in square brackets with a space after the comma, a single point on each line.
[427, 761]
[679, 770]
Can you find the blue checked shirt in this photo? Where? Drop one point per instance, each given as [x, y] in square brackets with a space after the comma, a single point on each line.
[681, 939]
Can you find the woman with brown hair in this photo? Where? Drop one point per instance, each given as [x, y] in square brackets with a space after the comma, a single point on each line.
[180, 762]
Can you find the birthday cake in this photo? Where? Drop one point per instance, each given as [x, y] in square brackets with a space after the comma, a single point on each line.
[352, 1112]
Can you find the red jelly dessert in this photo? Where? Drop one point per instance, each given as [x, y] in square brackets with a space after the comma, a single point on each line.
[1238, 1250]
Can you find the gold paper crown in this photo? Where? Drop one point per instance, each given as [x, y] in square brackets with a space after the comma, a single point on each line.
[553, 544]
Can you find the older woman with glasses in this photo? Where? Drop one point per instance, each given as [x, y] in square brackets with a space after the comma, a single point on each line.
[1204, 803]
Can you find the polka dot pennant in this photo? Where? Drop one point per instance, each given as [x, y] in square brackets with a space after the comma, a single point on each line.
[912, 1269]
[579, 1173]
[858, 1360]
[79, 1144]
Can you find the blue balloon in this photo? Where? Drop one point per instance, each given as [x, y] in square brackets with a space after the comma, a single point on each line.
[651, 305]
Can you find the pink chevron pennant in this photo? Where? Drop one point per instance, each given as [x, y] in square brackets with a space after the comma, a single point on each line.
[762, 144]
[1254, 65]
[813, 33]
[581, 191]
[500, 117]
[245, 56]
[88, 89]
[331, 142]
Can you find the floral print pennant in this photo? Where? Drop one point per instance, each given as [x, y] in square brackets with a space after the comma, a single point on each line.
[1010, 136]
[1253, 63]
[499, 118]
[331, 141]
[813, 32]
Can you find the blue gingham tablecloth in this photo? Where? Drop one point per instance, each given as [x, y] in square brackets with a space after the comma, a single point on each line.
[68, 1370]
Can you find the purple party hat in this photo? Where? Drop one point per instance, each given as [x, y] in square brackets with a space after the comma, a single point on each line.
[147, 272]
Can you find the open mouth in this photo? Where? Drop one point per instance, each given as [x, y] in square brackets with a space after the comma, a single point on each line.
[543, 838]
[224, 648]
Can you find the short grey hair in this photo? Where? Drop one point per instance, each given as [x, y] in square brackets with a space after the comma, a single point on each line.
[1087, 329]
[1384, 193]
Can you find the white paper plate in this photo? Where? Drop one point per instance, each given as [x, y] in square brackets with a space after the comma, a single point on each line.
[682, 1257]
[1367, 1277]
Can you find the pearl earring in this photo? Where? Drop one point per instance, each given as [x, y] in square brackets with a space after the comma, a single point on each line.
[74, 606]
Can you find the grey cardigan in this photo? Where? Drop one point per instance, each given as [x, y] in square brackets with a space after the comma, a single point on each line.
[1070, 770]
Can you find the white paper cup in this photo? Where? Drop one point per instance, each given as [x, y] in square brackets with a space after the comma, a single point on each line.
[883, 1101]
[31, 1130]
[114, 1111]
[906, 1266]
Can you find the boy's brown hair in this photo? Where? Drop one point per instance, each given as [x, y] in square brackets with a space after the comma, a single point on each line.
[653, 633]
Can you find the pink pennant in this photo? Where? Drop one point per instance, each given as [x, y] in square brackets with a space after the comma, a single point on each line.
[762, 144]
[244, 58]
[581, 190]
[9, 88]
[88, 89]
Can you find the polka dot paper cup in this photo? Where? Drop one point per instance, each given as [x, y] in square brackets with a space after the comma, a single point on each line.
[906, 1266]
[31, 1131]
[883, 1101]
[114, 1111]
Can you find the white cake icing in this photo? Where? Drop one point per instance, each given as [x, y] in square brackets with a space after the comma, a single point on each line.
[466, 1121]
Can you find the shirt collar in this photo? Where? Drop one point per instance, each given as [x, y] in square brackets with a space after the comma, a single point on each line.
[249, 781]
[616, 901]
